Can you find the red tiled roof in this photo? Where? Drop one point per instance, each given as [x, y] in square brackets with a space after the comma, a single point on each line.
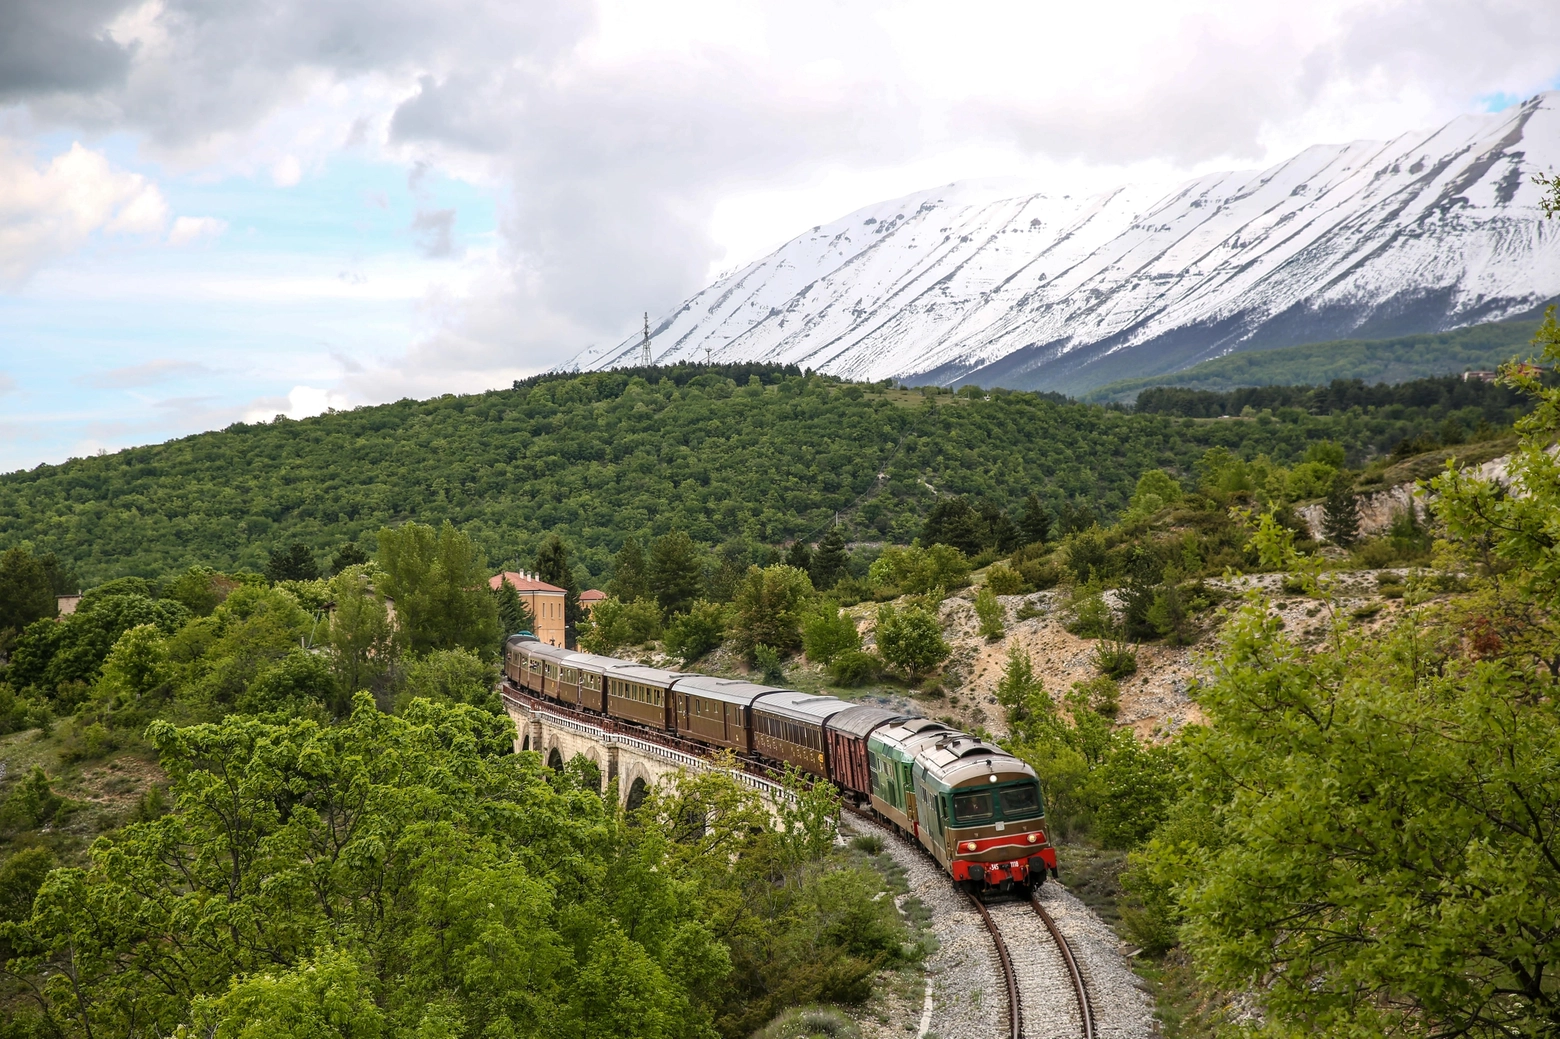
[522, 583]
[592, 595]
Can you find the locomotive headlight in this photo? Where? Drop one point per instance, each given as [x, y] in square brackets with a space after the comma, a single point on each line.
[969, 845]
[1033, 839]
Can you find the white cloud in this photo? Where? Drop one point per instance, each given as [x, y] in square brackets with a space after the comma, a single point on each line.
[287, 172]
[50, 211]
[300, 402]
[187, 229]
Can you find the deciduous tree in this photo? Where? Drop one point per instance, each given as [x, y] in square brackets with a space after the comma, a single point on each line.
[439, 585]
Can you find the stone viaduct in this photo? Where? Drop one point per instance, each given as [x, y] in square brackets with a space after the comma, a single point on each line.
[637, 764]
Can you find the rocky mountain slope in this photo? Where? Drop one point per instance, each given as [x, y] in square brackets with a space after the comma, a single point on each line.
[1429, 231]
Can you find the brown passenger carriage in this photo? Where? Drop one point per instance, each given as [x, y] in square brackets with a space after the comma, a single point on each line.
[638, 693]
[718, 710]
[788, 727]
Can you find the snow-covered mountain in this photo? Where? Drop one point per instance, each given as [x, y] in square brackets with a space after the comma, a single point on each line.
[1430, 231]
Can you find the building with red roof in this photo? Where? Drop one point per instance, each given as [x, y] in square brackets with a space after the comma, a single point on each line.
[546, 602]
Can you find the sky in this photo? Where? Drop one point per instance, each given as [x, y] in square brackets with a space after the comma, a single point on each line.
[213, 213]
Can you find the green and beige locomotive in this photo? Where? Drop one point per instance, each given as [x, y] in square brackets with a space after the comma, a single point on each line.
[974, 806]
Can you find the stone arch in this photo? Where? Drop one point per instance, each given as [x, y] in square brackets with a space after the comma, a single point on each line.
[525, 742]
[638, 790]
[589, 770]
[555, 759]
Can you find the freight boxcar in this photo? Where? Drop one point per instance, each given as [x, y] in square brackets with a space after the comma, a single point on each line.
[788, 726]
[845, 740]
[718, 711]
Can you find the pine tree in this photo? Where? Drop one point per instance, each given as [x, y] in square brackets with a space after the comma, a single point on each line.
[830, 562]
[552, 566]
[954, 522]
[630, 575]
[348, 555]
[513, 614]
[800, 556]
[1035, 527]
[676, 571]
[295, 563]
[1001, 533]
[1341, 513]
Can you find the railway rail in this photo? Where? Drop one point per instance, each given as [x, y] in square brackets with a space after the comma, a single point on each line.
[1032, 960]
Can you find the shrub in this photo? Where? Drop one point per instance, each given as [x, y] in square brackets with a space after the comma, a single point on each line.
[916, 570]
[1087, 615]
[1115, 659]
[868, 842]
[87, 743]
[992, 615]
[1002, 579]
[1099, 695]
[853, 668]
[696, 632]
[1028, 610]
[910, 639]
[452, 676]
[828, 633]
[810, 1023]
[1040, 574]
[767, 659]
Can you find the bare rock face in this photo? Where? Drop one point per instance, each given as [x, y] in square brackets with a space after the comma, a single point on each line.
[1379, 508]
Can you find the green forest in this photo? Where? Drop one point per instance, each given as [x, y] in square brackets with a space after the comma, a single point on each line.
[1480, 347]
[597, 458]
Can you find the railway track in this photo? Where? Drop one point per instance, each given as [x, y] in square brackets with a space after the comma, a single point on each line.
[1046, 997]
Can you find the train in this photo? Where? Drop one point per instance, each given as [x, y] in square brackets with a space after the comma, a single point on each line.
[978, 809]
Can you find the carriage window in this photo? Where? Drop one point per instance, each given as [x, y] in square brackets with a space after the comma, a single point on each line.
[1020, 800]
[973, 806]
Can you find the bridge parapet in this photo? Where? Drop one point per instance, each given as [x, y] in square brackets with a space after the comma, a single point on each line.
[635, 762]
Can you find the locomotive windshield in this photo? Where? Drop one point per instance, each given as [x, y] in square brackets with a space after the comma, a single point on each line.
[972, 806]
[975, 805]
[1020, 800]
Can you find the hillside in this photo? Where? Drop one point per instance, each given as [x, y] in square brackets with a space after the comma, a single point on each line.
[1433, 230]
[596, 457]
[1481, 347]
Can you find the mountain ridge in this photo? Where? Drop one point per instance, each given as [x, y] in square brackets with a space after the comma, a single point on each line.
[1396, 360]
[1429, 231]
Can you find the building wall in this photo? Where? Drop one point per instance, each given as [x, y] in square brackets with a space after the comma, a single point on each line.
[547, 608]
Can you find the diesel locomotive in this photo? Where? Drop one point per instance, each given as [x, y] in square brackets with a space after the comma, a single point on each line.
[974, 806]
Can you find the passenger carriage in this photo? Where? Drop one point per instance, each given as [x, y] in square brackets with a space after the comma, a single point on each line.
[718, 711]
[638, 693]
[788, 727]
[591, 671]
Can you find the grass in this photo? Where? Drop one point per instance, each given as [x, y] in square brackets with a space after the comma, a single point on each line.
[103, 791]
